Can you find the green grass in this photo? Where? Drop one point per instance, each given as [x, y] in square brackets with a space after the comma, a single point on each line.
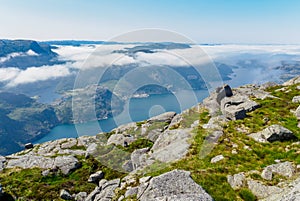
[30, 184]
[212, 177]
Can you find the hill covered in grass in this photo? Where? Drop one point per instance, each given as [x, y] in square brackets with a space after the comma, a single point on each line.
[239, 144]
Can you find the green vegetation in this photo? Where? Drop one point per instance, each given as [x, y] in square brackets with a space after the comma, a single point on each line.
[30, 184]
[251, 155]
[212, 177]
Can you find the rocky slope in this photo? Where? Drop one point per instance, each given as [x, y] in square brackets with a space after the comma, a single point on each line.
[240, 144]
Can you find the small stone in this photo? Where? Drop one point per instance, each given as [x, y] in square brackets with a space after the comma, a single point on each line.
[28, 146]
[234, 151]
[234, 145]
[296, 99]
[247, 148]
[46, 172]
[277, 161]
[217, 159]
[96, 177]
[65, 195]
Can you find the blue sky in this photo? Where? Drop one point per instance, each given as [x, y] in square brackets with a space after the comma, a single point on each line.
[211, 21]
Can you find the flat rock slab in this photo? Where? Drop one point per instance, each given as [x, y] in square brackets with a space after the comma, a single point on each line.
[174, 185]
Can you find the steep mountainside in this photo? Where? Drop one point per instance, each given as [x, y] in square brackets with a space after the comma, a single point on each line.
[239, 144]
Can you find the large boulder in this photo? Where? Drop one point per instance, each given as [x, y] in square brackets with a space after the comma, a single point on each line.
[175, 185]
[171, 145]
[139, 158]
[65, 163]
[273, 133]
[165, 117]
[120, 139]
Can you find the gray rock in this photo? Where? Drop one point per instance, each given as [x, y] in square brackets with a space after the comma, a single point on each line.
[273, 133]
[171, 145]
[298, 87]
[81, 196]
[2, 162]
[124, 129]
[217, 158]
[127, 166]
[235, 107]
[71, 142]
[91, 150]
[92, 195]
[65, 195]
[293, 81]
[28, 146]
[120, 139]
[176, 121]
[165, 117]
[267, 173]
[139, 158]
[108, 190]
[297, 113]
[131, 192]
[286, 169]
[96, 177]
[154, 134]
[235, 112]
[174, 185]
[66, 164]
[236, 181]
[262, 191]
[223, 92]
[296, 99]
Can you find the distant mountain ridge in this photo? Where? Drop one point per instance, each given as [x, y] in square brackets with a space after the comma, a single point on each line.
[26, 53]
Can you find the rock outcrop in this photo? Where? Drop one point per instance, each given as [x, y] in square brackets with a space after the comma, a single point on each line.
[174, 185]
[273, 133]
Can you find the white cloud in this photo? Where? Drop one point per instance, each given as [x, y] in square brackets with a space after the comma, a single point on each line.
[15, 77]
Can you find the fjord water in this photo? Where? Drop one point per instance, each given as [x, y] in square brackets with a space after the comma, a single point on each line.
[139, 109]
[143, 108]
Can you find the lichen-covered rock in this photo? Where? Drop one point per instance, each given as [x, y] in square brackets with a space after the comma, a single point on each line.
[174, 185]
[107, 191]
[165, 117]
[286, 169]
[120, 139]
[273, 133]
[171, 145]
[237, 181]
[139, 158]
[260, 190]
[65, 163]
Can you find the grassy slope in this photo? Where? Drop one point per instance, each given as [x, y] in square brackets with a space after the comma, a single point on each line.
[212, 177]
